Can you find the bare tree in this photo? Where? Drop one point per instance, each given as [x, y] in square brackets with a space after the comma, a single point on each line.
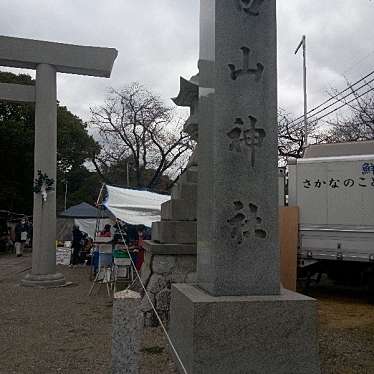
[137, 127]
[291, 140]
[358, 123]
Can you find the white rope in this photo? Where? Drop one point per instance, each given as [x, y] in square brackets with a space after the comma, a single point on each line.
[150, 301]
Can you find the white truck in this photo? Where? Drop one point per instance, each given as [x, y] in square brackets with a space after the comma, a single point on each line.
[333, 186]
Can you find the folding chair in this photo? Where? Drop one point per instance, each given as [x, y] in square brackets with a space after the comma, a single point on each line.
[104, 269]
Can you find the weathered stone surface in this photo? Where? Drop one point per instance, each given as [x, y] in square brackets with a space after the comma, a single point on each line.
[145, 305]
[47, 58]
[244, 334]
[169, 249]
[238, 250]
[165, 270]
[156, 283]
[163, 264]
[163, 299]
[192, 174]
[186, 264]
[45, 158]
[43, 281]
[126, 332]
[178, 210]
[185, 191]
[67, 58]
[146, 270]
[236, 319]
[163, 304]
[180, 232]
[191, 277]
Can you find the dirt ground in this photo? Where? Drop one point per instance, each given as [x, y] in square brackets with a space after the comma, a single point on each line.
[62, 330]
[67, 332]
[346, 330]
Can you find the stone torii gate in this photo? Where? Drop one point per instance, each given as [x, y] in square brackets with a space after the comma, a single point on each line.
[47, 58]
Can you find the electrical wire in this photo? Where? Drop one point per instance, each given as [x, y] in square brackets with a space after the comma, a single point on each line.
[292, 125]
[334, 103]
[343, 105]
[335, 96]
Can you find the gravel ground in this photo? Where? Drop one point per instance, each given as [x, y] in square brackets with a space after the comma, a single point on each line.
[346, 330]
[66, 331]
[59, 330]
[62, 330]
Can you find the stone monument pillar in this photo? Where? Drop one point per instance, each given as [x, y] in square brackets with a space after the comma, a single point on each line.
[47, 58]
[237, 319]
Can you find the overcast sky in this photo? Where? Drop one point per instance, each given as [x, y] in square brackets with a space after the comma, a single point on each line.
[158, 41]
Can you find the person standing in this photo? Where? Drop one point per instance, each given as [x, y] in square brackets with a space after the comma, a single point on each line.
[142, 235]
[21, 237]
[76, 245]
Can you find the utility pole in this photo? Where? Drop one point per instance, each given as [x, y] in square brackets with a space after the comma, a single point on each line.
[127, 173]
[303, 43]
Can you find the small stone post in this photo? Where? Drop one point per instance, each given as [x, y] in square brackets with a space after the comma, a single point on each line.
[126, 332]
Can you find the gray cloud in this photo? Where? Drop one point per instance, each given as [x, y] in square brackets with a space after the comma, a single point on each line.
[158, 42]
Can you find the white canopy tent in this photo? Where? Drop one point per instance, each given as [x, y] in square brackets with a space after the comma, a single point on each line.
[135, 207]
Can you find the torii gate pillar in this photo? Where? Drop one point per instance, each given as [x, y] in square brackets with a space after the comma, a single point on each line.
[48, 59]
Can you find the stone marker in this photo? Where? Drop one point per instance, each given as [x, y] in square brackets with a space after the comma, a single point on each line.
[238, 319]
[127, 332]
[47, 58]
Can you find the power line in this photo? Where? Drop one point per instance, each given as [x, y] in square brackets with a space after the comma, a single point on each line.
[355, 98]
[336, 109]
[333, 97]
[294, 125]
[336, 102]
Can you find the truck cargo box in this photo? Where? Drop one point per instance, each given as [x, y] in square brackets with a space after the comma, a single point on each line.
[333, 186]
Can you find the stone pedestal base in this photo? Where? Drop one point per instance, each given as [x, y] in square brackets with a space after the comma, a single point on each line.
[43, 281]
[237, 335]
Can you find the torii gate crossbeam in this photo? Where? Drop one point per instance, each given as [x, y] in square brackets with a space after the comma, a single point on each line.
[47, 58]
